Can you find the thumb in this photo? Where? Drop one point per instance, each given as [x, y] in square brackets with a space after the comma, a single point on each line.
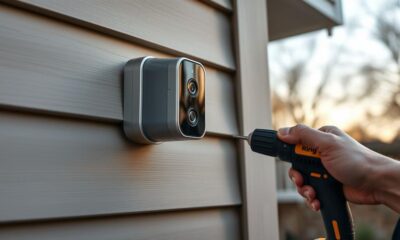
[304, 135]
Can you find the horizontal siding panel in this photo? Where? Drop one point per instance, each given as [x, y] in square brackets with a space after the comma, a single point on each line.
[56, 67]
[215, 224]
[55, 167]
[188, 27]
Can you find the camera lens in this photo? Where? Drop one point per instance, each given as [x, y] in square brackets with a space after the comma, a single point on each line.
[192, 87]
[192, 117]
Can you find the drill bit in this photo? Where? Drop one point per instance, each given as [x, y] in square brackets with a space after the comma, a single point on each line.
[247, 138]
[240, 137]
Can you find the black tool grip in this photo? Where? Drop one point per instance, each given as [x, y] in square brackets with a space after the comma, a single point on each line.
[334, 209]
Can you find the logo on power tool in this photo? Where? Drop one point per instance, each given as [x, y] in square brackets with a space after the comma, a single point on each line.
[306, 150]
[309, 149]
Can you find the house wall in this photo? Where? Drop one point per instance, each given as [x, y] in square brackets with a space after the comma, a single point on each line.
[66, 169]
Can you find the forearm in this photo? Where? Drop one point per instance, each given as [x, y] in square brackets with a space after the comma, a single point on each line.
[388, 187]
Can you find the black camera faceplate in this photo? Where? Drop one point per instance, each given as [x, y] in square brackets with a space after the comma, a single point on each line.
[191, 71]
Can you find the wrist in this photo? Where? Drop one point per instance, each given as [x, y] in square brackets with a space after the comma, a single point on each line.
[387, 181]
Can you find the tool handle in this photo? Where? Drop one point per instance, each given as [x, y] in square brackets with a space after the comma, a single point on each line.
[334, 208]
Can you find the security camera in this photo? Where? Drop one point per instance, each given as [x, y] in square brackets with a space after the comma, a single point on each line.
[164, 100]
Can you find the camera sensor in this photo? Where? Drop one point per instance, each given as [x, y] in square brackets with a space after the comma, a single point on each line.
[193, 117]
[192, 87]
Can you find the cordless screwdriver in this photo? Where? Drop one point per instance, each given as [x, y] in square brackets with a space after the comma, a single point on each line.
[306, 160]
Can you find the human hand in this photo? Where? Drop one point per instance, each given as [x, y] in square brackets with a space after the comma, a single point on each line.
[356, 166]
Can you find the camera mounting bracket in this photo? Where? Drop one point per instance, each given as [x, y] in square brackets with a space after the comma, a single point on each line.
[133, 93]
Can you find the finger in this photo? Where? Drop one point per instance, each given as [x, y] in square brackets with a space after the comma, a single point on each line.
[304, 135]
[307, 192]
[332, 129]
[314, 205]
[296, 177]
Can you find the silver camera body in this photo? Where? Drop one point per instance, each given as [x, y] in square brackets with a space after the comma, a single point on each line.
[164, 100]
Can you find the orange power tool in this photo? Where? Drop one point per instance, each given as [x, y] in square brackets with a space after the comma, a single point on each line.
[334, 208]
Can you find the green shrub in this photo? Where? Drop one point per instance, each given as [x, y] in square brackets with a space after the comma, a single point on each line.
[365, 232]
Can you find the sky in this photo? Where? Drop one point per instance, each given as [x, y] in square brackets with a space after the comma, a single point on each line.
[351, 45]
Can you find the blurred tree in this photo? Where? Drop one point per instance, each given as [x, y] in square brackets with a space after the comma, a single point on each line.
[299, 102]
[387, 33]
